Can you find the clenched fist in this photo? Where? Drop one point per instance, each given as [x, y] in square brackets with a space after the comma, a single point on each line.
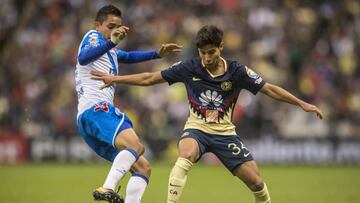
[119, 34]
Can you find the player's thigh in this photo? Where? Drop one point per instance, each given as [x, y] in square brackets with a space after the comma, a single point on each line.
[249, 173]
[128, 138]
[142, 166]
[189, 149]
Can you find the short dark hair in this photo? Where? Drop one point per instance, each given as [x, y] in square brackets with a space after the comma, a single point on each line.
[102, 14]
[209, 34]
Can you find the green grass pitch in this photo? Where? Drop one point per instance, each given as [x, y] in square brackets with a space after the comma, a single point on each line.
[56, 183]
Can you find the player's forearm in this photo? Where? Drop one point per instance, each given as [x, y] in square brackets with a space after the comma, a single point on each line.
[141, 79]
[280, 94]
[136, 56]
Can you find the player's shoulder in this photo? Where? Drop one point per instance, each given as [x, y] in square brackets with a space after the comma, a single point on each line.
[92, 36]
[92, 33]
[234, 65]
[195, 62]
[187, 64]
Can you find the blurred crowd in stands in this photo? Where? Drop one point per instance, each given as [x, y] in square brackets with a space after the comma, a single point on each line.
[311, 48]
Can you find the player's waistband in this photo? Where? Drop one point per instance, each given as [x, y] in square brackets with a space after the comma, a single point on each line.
[219, 130]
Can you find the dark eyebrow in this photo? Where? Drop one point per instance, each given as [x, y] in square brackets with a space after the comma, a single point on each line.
[209, 50]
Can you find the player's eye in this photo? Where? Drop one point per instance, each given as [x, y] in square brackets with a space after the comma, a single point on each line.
[111, 26]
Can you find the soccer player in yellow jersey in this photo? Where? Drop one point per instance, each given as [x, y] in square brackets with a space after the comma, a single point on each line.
[213, 85]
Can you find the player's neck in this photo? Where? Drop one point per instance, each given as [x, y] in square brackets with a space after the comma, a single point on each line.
[217, 69]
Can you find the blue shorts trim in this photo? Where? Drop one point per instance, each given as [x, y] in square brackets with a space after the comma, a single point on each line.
[117, 130]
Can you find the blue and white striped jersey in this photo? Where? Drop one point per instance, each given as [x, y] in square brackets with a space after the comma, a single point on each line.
[95, 53]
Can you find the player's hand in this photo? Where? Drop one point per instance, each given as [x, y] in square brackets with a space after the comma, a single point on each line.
[106, 78]
[118, 34]
[312, 108]
[169, 48]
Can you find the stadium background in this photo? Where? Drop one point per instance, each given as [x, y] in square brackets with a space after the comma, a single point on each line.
[310, 48]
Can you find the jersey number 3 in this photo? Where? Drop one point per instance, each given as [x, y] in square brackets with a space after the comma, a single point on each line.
[237, 150]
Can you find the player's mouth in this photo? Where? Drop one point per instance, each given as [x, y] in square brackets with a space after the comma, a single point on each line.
[208, 63]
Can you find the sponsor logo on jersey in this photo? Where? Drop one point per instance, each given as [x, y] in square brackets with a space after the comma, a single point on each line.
[251, 73]
[246, 154]
[211, 97]
[94, 40]
[258, 81]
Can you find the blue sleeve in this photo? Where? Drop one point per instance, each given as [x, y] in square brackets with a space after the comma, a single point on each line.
[136, 56]
[176, 73]
[250, 80]
[92, 47]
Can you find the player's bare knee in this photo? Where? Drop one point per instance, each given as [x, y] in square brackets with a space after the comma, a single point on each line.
[189, 156]
[147, 169]
[139, 148]
[144, 168]
[256, 186]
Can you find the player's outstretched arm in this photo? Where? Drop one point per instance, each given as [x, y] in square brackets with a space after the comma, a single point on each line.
[140, 56]
[141, 79]
[280, 94]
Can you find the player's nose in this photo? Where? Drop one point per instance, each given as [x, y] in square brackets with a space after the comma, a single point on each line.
[207, 58]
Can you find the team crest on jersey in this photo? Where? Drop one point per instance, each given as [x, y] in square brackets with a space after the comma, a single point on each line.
[226, 85]
[251, 73]
[102, 106]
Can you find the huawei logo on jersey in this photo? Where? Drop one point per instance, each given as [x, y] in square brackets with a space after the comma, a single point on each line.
[211, 98]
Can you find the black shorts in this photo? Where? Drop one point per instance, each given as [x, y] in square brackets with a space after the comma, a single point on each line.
[229, 149]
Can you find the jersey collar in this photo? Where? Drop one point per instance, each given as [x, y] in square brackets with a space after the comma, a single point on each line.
[212, 75]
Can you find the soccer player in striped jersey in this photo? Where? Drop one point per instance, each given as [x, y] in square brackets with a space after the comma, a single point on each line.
[213, 85]
[107, 130]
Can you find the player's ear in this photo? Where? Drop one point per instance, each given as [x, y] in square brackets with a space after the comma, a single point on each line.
[221, 46]
[97, 25]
